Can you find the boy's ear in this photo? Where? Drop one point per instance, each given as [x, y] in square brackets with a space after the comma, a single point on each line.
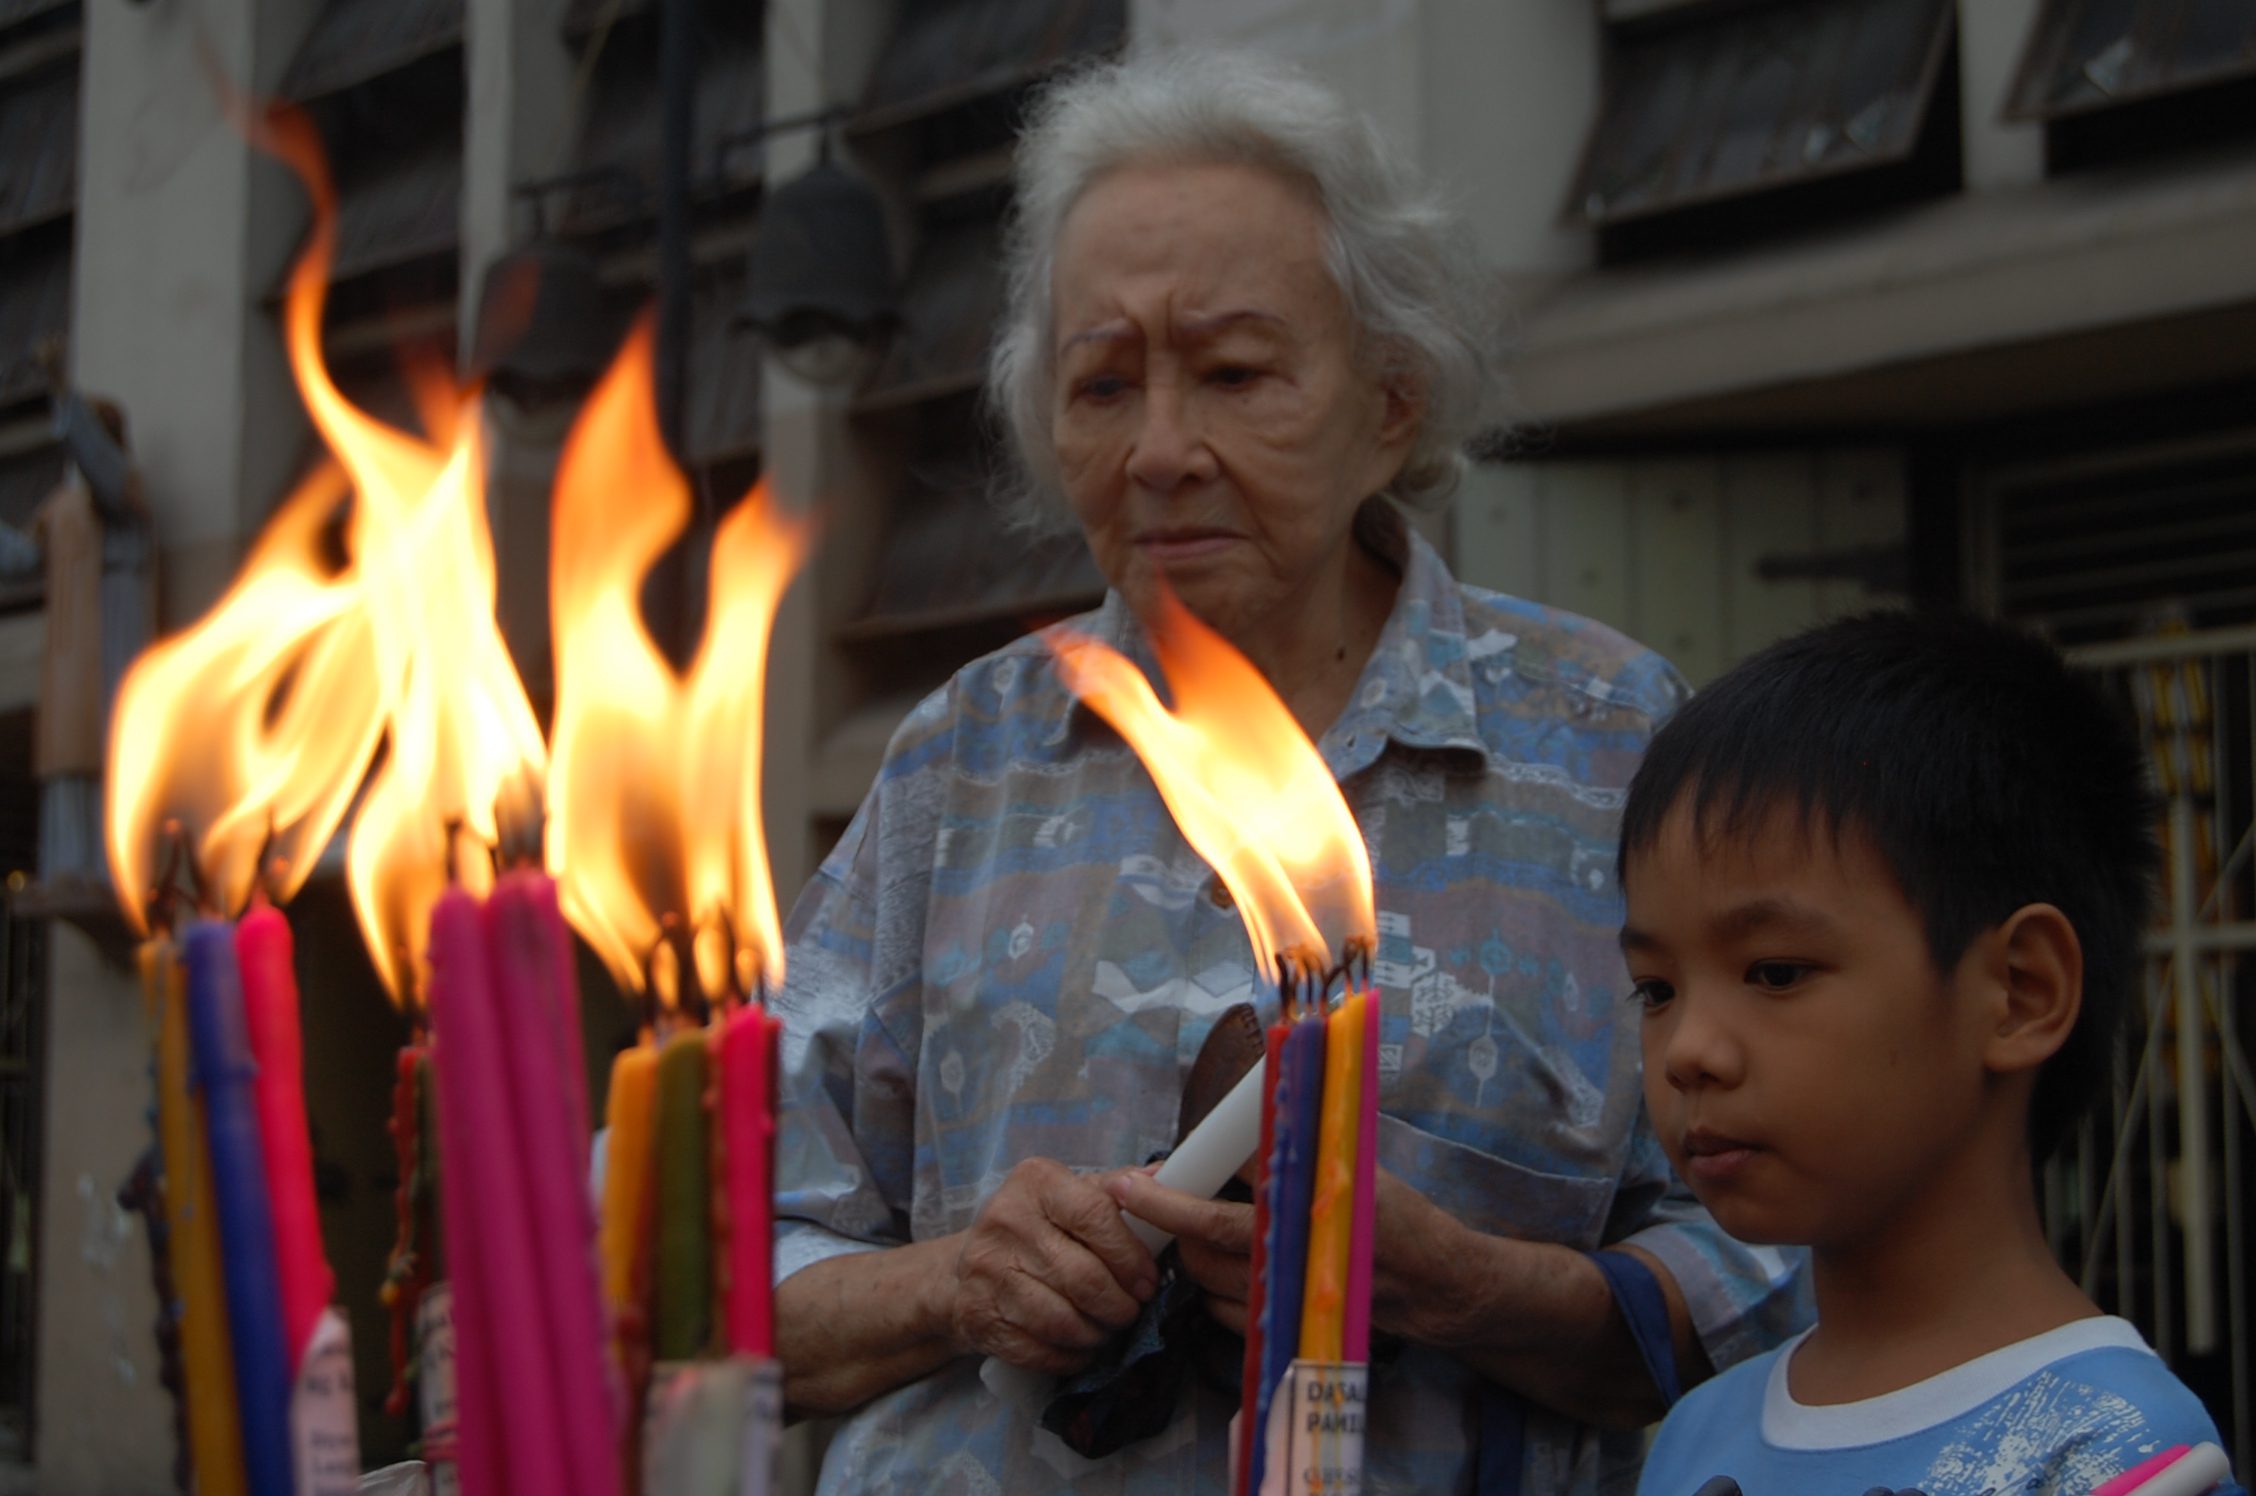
[2039, 966]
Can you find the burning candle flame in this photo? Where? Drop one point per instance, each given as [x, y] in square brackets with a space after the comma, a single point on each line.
[266, 714]
[255, 724]
[1242, 780]
[654, 803]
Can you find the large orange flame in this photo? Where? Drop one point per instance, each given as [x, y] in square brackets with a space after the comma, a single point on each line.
[654, 795]
[267, 713]
[258, 721]
[1248, 789]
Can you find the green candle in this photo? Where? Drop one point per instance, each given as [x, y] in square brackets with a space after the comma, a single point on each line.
[683, 1296]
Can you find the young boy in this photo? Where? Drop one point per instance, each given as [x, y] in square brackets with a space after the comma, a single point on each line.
[1886, 883]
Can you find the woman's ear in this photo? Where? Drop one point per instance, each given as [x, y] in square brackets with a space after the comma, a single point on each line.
[2041, 965]
[1405, 410]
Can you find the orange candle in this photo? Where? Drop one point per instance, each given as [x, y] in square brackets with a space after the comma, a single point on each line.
[215, 1441]
[631, 1115]
[1323, 1313]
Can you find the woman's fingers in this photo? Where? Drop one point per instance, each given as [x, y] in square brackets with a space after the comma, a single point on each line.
[1047, 1271]
[1219, 1223]
[1085, 1211]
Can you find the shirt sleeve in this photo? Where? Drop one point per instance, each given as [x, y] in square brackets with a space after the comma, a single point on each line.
[845, 1135]
[1743, 1299]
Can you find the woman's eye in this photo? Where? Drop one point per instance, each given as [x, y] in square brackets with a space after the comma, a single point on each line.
[1651, 995]
[1234, 376]
[1099, 387]
[1776, 976]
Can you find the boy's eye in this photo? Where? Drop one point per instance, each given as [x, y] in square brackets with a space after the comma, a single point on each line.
[1652, 995]
[1776, 976]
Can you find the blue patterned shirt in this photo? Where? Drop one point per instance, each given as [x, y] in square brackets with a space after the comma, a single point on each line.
[1013, 953]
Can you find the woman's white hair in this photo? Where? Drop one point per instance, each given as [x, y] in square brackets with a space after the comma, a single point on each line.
[1403, 261]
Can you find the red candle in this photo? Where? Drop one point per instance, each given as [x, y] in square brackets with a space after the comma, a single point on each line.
[748, 1061]
[1257, 1281]
[270, 1012]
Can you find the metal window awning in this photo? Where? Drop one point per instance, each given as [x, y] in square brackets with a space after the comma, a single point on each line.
[2088, 55]
[947, 52]
[949, 305]
[14, 12]
[586, 16]
[616, 158]
[35, 306]
[1731, 103]
[38, 147]
[355, 40]
[399, 209]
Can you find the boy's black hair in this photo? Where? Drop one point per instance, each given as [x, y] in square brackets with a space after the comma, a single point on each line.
[1987, 773]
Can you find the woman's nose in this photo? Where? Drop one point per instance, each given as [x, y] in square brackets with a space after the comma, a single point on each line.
[1700, 1049]
[1170, 449]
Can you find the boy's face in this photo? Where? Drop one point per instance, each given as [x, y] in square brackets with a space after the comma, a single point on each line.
[1806, 1067]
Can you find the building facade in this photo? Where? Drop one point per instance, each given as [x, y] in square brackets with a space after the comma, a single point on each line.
[1815, 305]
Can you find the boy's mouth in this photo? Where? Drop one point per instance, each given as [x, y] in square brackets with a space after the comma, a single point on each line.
[1713, 1156]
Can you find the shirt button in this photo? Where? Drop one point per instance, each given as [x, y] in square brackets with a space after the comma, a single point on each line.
[1219, 894]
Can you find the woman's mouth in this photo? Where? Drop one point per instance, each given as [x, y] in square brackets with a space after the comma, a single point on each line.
[1171, 547]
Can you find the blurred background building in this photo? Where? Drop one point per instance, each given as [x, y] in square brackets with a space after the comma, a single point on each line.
[1817, 305]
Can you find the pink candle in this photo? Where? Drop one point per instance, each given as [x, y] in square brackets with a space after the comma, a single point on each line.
[550, 1141]
[270, 1012]
[512, 1429]
[748, 1058]
[539, 893]
[1355, 1338]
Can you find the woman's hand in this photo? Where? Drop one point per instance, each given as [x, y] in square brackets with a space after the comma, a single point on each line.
[1048, 1270]
[1214, 1239]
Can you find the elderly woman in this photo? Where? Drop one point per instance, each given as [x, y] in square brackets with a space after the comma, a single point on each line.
[1236, 341]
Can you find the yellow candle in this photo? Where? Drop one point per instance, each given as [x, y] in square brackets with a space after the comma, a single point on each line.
[629, 1114]
[215, 1440]
[1331, 1215]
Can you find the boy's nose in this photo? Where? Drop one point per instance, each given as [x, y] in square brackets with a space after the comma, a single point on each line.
[1700, 1049]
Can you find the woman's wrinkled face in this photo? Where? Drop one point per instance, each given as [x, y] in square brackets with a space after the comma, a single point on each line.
[1213, 424]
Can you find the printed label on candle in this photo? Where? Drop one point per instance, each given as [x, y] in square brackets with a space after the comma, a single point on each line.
[1315, 1433]
[702, 1426]
[434, 1340]
[763, 1426]
[324, 1431]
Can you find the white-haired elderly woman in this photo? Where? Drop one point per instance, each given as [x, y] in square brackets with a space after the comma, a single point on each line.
[1238, 341]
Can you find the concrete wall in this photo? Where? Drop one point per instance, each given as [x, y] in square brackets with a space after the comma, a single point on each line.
[179, 228]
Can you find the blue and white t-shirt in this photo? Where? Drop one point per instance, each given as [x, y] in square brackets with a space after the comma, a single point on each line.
[2057, 1414]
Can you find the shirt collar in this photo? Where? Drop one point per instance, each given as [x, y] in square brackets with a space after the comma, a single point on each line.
[1416, 689]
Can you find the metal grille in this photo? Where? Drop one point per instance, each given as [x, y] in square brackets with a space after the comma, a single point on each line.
[2090, 551]
[23, 991]
[2150, 1205]
[2142, 564]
